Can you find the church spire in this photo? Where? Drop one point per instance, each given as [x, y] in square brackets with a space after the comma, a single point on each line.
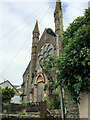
[36, 28]
[58, 18]
[58, 24]
[36, 33]
[58, 7]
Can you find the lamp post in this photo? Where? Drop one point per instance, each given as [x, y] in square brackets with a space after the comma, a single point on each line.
[61, 93]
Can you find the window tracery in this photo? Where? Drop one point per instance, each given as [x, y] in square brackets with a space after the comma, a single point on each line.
[46, 50]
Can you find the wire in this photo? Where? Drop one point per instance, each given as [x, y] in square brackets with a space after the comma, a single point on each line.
[42, 17]
[75, 7]
[27, 22]
[17, 53]
[15, 56]
[21, 22]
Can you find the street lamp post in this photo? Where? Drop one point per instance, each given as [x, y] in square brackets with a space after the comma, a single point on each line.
[61, 93]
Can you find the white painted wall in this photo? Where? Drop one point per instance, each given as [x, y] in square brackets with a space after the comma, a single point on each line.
[15, 99]
[5, 85]
[84, 107]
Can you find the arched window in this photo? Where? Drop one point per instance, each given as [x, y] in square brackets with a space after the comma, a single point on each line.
[46, 50]
[40, 79]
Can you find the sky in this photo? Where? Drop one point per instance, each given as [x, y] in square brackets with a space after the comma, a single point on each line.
[17, 21]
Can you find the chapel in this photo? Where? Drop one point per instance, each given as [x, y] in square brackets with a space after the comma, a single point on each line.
[34, 79]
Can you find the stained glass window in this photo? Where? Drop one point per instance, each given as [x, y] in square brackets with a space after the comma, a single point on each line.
[41, 51]
[49, 47]
[41, 61]
[50, 52]
[40, 57]
[45, 54]
[45, 48]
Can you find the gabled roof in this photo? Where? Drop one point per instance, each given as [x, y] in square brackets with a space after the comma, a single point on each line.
[47, 31]
[10, 84]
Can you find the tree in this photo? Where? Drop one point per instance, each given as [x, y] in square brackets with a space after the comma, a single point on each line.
[74, 65]
[54, 101]
[7, 94]
[50, 70]
[72, 68]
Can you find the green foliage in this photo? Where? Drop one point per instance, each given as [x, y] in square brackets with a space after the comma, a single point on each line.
[72, 68]
[7, 94]
[75, 25]
[5, 104]
[24, 104]
[19, 114]
[74, 65]
[54, 102]
[50, 69]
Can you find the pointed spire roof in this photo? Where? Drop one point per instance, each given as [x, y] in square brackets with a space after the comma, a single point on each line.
[58, 7]
[36, 28]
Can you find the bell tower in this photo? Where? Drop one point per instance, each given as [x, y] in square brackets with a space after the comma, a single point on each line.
[58, 24]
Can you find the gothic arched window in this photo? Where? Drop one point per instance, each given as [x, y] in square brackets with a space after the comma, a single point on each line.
[46, 50]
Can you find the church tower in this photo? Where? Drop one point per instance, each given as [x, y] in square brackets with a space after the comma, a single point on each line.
[58, 24]
[34, 45]
[71, 107]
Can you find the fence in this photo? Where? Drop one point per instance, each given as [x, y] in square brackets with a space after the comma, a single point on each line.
[15, 108]
[37, 109]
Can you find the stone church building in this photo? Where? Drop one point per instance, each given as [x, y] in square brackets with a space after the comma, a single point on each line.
[34, 79]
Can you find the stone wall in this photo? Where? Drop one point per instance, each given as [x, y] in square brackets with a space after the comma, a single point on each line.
[72, 109]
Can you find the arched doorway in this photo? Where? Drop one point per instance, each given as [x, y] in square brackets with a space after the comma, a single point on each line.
[40, 88]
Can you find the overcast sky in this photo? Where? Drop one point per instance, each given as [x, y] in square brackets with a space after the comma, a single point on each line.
[17, 21]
